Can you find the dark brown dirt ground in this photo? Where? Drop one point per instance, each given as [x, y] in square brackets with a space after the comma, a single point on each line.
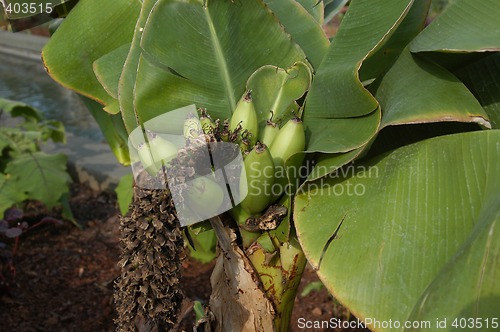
[63, 278]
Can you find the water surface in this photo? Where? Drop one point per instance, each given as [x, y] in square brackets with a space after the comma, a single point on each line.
[27, 81]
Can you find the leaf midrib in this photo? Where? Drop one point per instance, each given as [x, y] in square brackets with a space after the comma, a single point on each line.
[221, 61]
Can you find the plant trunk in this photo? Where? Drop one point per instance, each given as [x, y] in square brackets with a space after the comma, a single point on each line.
[254, 290]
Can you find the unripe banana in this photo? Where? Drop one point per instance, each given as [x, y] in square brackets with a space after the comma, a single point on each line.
[203, 196]
[225, 134]
[245, 145]
[290, 140]
[246, 116]
[156, 153]
[259, 179]
[144, 152]
[269, 133]
[207, 124]
[192, 127]
[162, 150]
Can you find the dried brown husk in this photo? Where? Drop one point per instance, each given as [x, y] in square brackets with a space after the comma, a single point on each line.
[147, 294]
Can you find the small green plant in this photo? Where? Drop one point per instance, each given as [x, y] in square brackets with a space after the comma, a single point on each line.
[26, 172]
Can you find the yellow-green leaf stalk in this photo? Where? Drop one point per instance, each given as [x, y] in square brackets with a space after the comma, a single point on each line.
[258, 181]
[280, 271]
[293, 262]
[245, 116]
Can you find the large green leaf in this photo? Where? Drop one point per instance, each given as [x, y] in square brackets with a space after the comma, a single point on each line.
[126, 84]
[315, 8]
[327, 163]
[153, 99]
[96, 35]
[112, 127]
[479, 297]
[93, 29]
[388, 232]
[465, 26]
[340, 135]
[387, 54]
[336, 91]
[340, 114]
[109, 67]
[41, 176]
[417, 91]
[212, 68]
[303, 27]
[483, 80]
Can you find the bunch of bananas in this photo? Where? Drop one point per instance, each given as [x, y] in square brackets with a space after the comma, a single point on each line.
[265, 152]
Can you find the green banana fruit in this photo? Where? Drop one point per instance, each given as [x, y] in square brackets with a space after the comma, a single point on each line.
[192, 127]
[203, 196]
[207, 124]
[156, 153]
[258, 180]
[269, 133]
[290, 140]
[245, 116]
[225, 134]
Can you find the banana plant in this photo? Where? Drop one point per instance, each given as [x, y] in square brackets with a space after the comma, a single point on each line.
[394, 123]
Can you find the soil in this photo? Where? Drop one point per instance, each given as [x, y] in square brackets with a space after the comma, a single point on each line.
[61, 277]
